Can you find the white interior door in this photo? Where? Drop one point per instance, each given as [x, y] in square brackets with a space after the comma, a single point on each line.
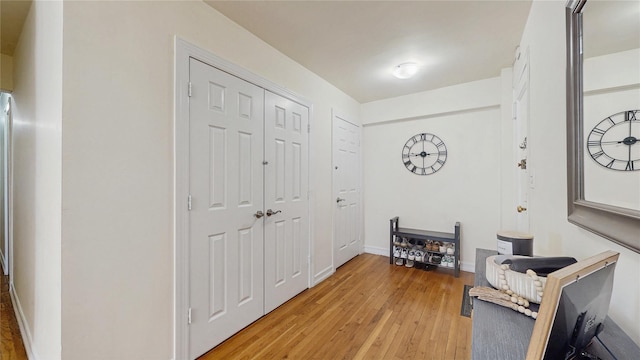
[346, 190]
[225, 184]
[286, 196]
[521, 129]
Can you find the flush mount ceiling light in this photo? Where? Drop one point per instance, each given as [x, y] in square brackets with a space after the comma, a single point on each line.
[405, 70]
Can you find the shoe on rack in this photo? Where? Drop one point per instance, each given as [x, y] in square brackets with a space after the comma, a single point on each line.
[396, 252]
[451, 249]
[396, 240]
[409, 263]
[419, 256]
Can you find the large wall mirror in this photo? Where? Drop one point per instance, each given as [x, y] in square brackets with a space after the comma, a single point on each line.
[603, 118]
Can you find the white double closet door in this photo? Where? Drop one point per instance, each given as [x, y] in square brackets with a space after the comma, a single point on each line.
[248, 156]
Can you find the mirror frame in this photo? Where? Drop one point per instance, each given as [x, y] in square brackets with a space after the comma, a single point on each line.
[620, 225]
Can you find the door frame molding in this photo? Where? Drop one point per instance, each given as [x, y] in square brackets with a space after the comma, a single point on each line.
[521, 81]
[7, 252]
[183, 51]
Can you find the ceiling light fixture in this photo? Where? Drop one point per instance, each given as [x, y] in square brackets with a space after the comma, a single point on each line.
[405, 70]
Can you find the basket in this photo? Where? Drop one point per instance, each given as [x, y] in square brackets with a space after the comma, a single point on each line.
[519, 283]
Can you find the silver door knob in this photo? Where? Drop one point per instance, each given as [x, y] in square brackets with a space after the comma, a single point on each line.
[338, 200]
[258, 214]
[271, 212]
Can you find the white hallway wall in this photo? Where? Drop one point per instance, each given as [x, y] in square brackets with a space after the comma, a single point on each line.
[554, 235]
[37, 137]
[467, 118]
[117, 155]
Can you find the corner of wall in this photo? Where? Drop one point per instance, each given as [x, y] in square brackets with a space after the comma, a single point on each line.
[6, 73]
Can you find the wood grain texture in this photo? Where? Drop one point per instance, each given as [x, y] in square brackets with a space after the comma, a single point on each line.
[11, 346]
[368, 309]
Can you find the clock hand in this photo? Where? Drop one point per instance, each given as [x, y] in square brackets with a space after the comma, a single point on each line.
[627, 141]
[423, 154]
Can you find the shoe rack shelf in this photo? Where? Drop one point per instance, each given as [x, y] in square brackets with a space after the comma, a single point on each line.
[417, 237]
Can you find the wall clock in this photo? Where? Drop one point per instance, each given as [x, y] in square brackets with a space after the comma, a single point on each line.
[615, 141]
[424, 154]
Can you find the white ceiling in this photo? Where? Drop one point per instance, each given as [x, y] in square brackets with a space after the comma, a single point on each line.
[355, 44]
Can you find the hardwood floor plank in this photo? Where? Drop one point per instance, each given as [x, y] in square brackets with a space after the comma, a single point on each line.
[11, 345]
[368, 309]
[373, 336]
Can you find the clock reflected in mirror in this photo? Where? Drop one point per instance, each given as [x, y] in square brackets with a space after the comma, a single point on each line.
[424, 154]
[614, 142]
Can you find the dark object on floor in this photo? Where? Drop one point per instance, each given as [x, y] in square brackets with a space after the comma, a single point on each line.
[467, 305]
[543, 266]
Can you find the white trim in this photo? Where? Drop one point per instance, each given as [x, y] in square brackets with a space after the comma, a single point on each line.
[27, 339]
[9, 188]
[7, 252]
[468, 266]
[183, 51]
[311, 197]
[323, 275]
[376, 250]
[181, 228]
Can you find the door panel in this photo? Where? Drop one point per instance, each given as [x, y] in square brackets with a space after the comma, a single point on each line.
[225, 182]
[346, 190]
[286, 180]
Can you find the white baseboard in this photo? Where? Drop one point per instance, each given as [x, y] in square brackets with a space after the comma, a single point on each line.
[376, 250]
[468, 267]
[322, 275]
[27, 339]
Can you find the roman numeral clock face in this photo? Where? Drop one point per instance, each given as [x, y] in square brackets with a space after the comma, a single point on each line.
[424, 154]
[615, 142]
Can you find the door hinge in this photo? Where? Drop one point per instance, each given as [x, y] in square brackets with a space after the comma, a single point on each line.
[308, 128]
[189, 89]
[515, 111]
[189, 202]
[189, 316]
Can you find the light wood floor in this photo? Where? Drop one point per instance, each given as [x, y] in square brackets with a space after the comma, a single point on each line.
[367, 310]
[11, 347]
